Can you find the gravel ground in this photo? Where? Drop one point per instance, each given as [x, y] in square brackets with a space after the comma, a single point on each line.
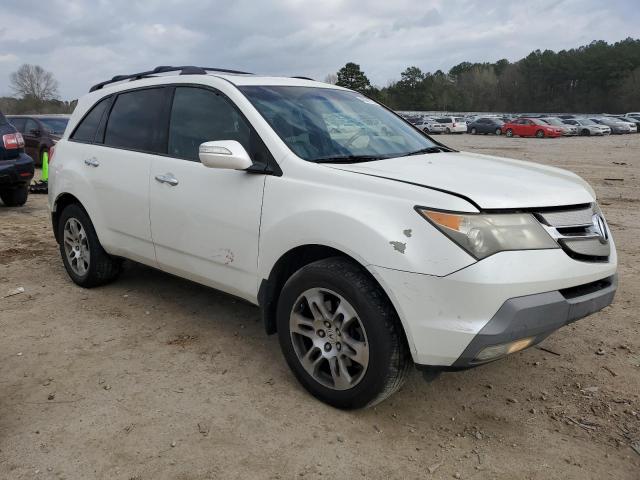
[155, 377]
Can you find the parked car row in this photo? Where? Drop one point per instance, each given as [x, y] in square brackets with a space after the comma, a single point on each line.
[529, 125]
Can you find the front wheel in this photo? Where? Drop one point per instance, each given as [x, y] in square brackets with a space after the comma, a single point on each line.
[426, 130]
[498, 131]
[15, 197]
[540, 134]
[473, 131]
[340, 335]
[448, 130]
[85, 260]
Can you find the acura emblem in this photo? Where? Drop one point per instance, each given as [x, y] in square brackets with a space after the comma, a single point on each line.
[600, 227]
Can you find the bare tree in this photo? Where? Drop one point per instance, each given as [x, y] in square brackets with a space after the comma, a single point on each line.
[34, 81]
[331, 78]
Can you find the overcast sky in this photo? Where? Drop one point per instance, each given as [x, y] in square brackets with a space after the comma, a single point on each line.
[86, 41]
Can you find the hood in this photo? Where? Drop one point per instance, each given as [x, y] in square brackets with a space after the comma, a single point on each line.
[489, 182]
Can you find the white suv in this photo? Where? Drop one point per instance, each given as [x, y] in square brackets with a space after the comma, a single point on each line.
[367, 245]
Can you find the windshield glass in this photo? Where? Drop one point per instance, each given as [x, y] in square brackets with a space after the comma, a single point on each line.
[586, 122]
[553, 121]
[324, 124]
[55, 125]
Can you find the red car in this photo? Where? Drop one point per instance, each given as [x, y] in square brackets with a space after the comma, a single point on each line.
[531, 127]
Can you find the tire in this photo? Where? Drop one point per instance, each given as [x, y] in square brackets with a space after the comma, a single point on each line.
[540, 134]
[448, 130]
[373, 326]
[15, 197]
[509, 132]
[93, 266]
[473, 131]
[426, 130]
[498, 131]
[584, 132]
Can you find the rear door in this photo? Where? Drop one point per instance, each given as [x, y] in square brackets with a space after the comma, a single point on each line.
[206, 221]
[31, 139]
[118, 165]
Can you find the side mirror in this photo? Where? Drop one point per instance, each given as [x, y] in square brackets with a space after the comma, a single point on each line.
[227, 154]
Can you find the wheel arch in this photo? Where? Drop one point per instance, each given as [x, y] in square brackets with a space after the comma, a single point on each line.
[292, 261]
[61, 202]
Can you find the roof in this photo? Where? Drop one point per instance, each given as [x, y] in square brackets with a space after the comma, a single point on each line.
[232, 76]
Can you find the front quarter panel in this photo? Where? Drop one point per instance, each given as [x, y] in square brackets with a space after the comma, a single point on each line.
[370, 219]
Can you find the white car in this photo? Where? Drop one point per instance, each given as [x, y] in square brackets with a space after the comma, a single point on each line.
[367, 246]
[453, 124]
[429, 125]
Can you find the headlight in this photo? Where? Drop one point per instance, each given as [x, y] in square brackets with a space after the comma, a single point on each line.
[482, 235]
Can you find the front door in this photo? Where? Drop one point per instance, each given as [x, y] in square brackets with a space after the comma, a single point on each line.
[205, 222]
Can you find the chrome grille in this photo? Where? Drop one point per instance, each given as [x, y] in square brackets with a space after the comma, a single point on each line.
[568, 218]
[581, 232]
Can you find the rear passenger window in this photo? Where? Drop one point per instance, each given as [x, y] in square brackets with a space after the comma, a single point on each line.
[18, 123]
[199, 115]
[135, 121]
[86, 131]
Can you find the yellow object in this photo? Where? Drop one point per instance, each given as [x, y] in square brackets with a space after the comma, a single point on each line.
[45, 166]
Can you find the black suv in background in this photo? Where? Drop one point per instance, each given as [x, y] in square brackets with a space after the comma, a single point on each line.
[40, 132]
[16, 168]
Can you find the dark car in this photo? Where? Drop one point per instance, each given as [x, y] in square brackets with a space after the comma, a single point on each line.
[16, 168]
[485, 125]
[40, 132]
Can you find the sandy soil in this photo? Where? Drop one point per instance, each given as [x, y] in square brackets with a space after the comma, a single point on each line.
[155, 377]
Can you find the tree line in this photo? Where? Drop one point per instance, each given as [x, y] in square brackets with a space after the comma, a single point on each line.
[594, 78]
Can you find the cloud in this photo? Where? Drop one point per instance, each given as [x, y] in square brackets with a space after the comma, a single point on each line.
[86, 41]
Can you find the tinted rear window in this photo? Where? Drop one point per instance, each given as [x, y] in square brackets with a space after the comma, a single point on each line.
[134, 122]
[86, 131]
[18, 123]
[55, 125]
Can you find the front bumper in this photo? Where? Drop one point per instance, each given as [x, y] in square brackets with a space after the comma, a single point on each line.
[17, 171]
[536, 316]
[443, 316]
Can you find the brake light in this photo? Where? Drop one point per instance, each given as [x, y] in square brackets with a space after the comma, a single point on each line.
[12, 141]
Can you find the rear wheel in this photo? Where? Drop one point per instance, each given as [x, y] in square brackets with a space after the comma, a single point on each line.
[584, 132]
[448, 130]
[540, 134]
[509, 132]
[473, 131]
[340, 335]
[15, 197]
[426, 130]
[85, 260]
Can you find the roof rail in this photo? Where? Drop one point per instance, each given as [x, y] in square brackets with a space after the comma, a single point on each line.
[185, 70]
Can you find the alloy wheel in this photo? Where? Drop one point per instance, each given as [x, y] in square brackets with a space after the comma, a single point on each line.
[329, 339]
[76, 246]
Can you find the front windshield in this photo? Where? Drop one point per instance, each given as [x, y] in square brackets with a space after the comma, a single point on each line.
[553, 121]
[325, 124]
[55, 125]
[587, 122]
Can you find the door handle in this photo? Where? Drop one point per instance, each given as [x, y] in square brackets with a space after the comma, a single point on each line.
[167, 178]
[92, 162]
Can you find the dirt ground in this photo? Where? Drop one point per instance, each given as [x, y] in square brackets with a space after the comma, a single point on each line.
[154, 377]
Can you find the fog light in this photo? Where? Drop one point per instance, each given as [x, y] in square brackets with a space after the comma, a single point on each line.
[495, 351]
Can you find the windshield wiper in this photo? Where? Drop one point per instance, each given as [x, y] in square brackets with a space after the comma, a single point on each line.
[349, 159]
[427, 150]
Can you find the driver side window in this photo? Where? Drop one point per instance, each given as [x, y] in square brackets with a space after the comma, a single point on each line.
[199, 115]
